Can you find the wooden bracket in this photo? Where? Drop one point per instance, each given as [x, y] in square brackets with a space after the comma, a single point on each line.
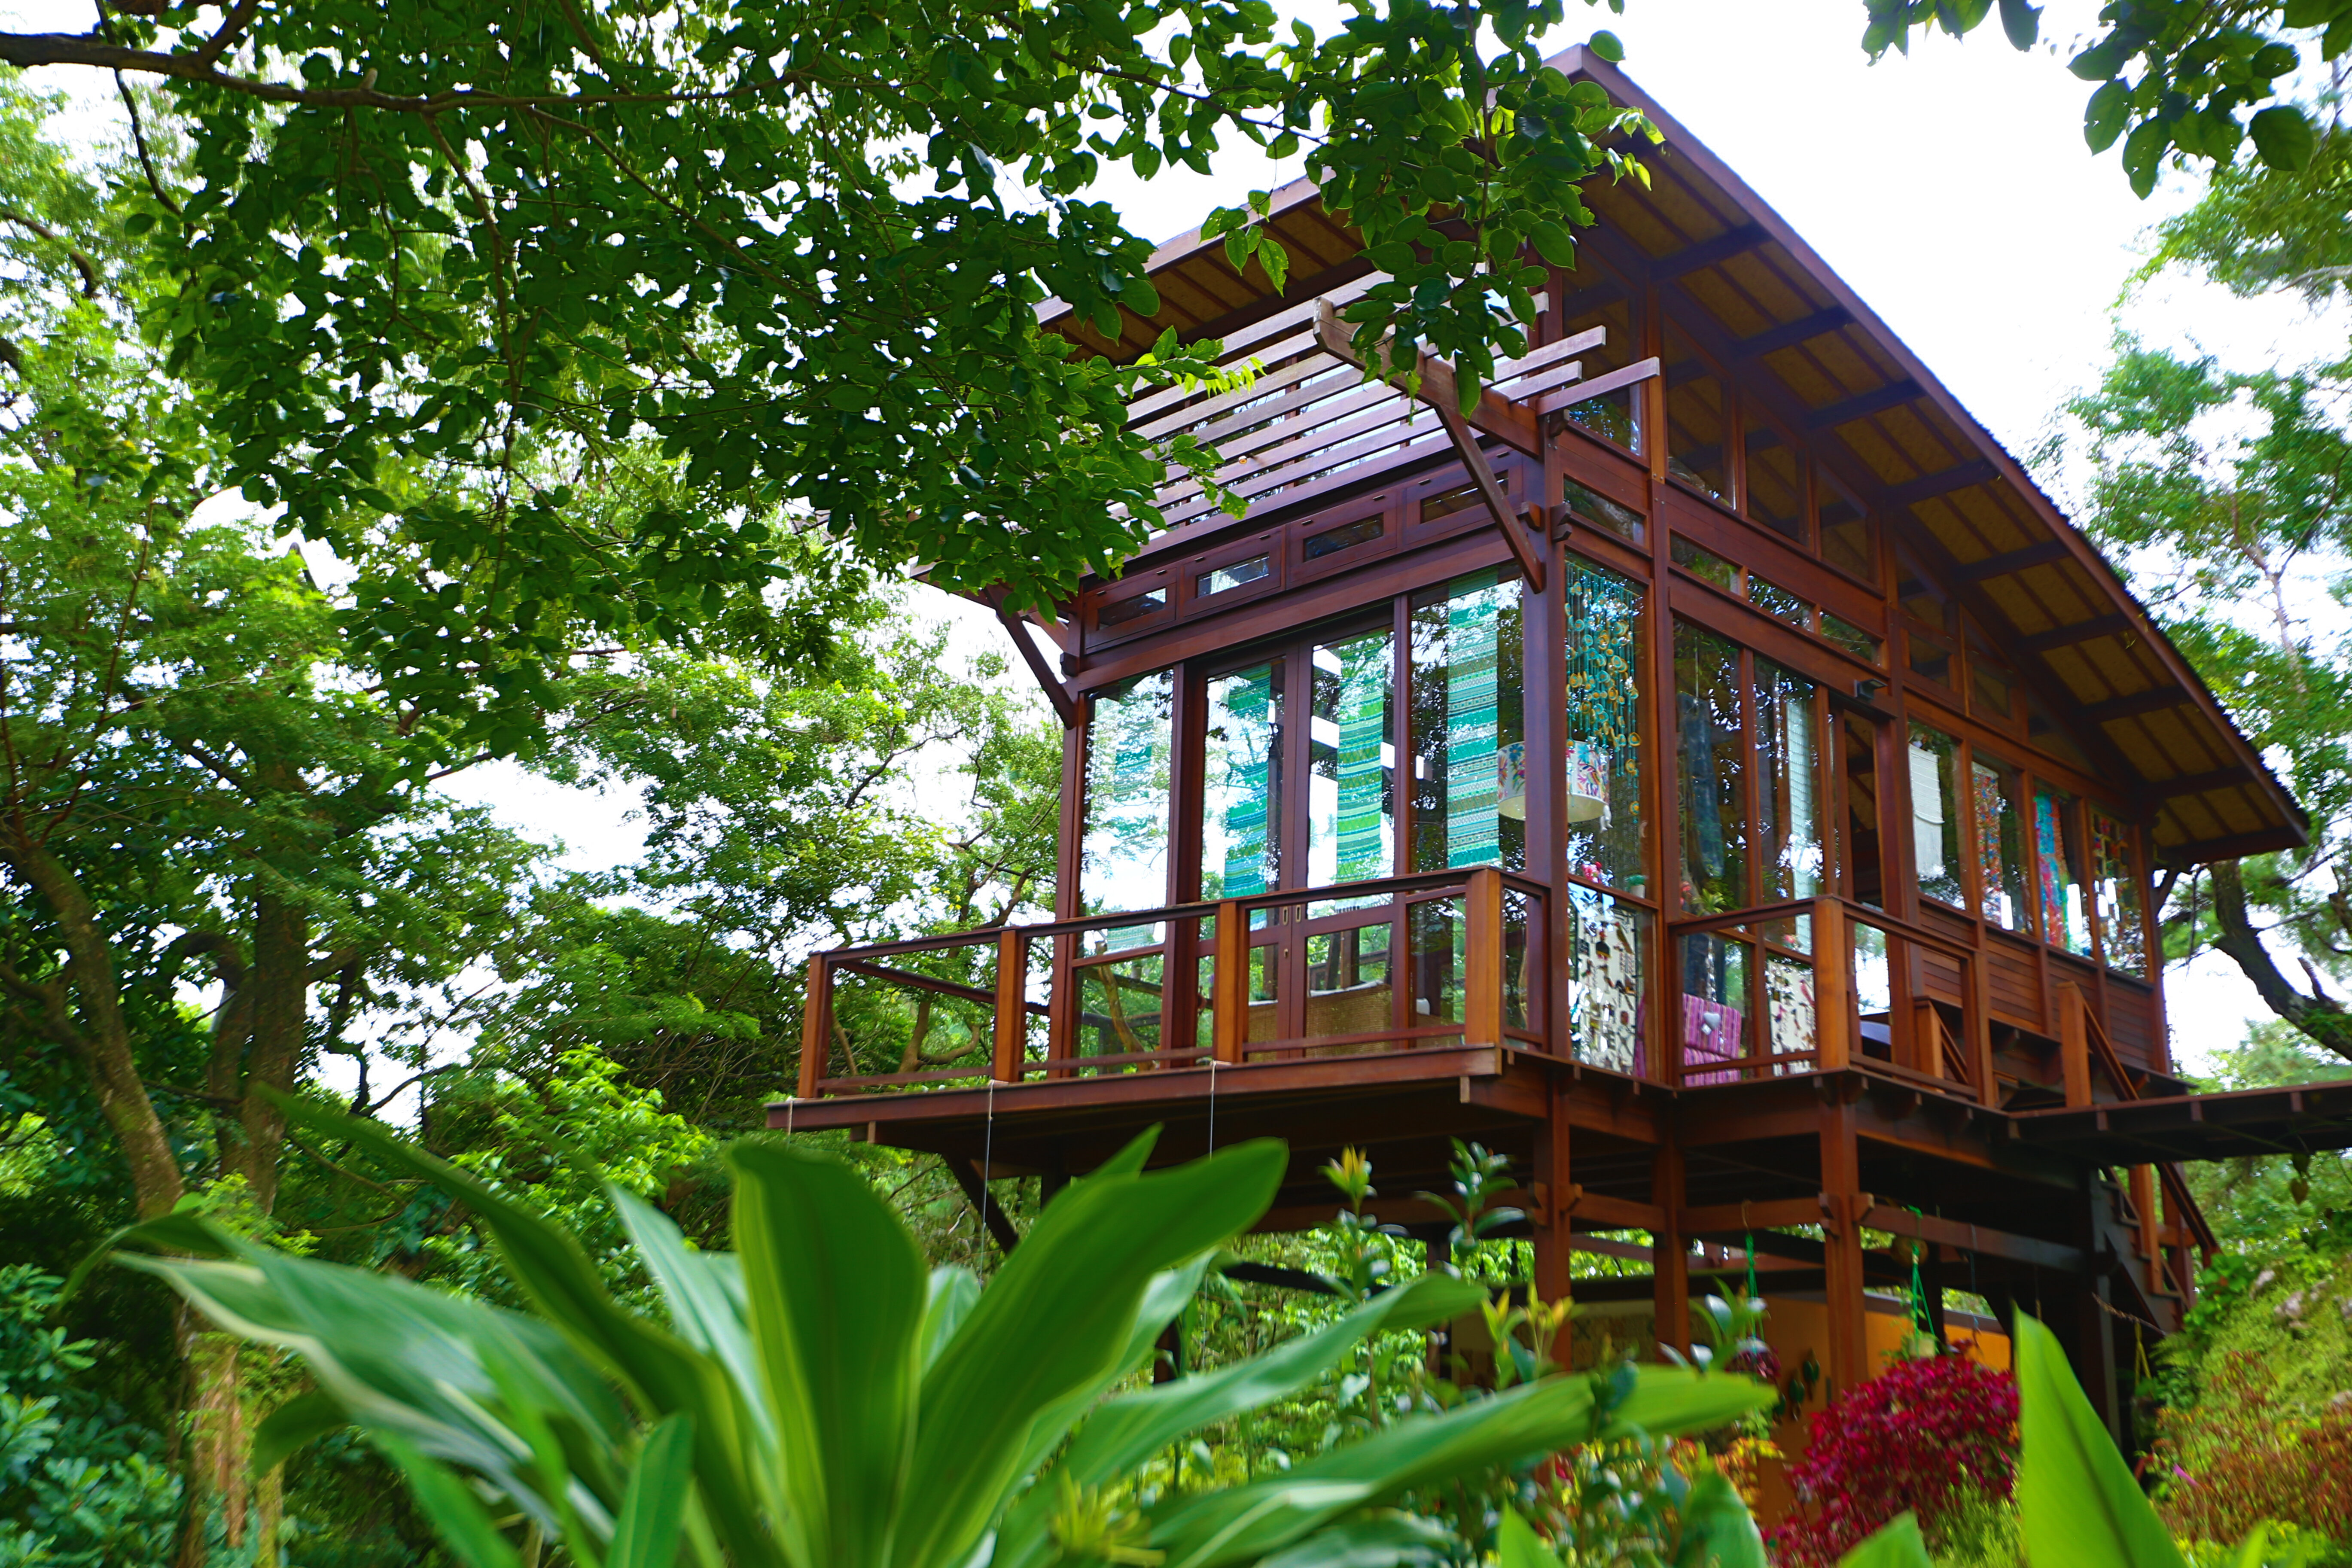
[1066, 707]
[1434, 384]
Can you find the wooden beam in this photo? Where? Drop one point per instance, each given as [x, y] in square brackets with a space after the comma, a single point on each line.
[1731, 242]
[1569, 396]
[2154, 700]
[1789, 335]
[1774, 1213]
[1894, 394]
[2008, 560]
[1969, 1237]
[1927, 487]
[2203, 851]
[1066, 707]
[999, 1223]
[2198, 784]
[2083, 631]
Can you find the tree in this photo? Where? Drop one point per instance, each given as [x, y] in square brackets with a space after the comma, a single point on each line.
[2198, 63]
[443, 269]
[2228, 495]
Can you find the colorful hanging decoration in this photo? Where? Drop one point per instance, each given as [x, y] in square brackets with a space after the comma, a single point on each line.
[1366, 668]
[1472, 714]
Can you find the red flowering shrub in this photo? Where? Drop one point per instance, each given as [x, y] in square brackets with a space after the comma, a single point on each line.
[1922, 1435]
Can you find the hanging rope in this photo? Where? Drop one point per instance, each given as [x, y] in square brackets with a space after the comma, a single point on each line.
[1753, 1293]
[1921, 1319]
[987, 1153]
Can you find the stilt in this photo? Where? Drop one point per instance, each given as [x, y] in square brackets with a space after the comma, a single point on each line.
[1669, 1252]
[1849, 1349]
[1555, 1212]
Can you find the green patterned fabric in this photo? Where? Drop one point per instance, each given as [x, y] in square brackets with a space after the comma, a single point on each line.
[1366, 667]
[1473, 648]
[1249, 741]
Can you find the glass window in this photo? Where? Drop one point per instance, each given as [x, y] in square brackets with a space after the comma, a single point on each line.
[1849, 538]
[1706, 565]
[1351, 762]
[2058, 870]
[1600, 512]
[2123, 921]
[1936, 815]
[1217, 580]
[1996, 793]
[1241, 817]
[1788, 783]
[1698, 421]
[1123, 854]
[1779, 604]
[1605, 622]
[1992, 689]
[1469, 753]
[1608, 961]
[1851, 637]
[1863, 852]
[1714, 1012]
[1775, 493]
[1713, 838]
[1613, 416]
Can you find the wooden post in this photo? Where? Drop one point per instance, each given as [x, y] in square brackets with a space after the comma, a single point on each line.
[1557, 1211]
[2074, 1044]
[2151, 1227]
[1978, 1022]
[1482, 983]
[1669, 1251]
[1841, 1158]
[1833, 986]
[816, 1024]
[1229, 1001]
[1012, 1003]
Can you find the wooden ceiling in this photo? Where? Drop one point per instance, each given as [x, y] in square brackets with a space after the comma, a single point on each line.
[1808, 355]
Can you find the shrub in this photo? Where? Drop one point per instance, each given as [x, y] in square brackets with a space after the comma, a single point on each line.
[2244, 1454]
[1929, 1437]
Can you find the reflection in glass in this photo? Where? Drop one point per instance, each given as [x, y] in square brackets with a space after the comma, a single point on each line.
[1713, 838]
[2058, 870]
[1119, 1006]
[1468, 741]
[1788, 794]
[1789, 1011]
[1995, 791]
[1605, 839]
[1351, 762]
[1849, 539]
[1349, 989]
[2123, 924]
[1851, 637]
[1863, 852]
[1594, 508]
[1714, 1014]
[1776, 484]
[1608, 952]
[1613, 416]
[1935, 815]
[1123, 853]
[1698, 422]
[1873, 992]
[1240, 820]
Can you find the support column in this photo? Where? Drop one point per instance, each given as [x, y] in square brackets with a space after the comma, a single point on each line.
[1849, 1347]
[1669, 1251]
[1556, 1214]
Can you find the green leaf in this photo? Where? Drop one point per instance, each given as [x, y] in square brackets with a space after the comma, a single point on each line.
[179, 1231]
[653, 1510]
[1608, 46]
[2283, 136]
[2143, 153]
[2102, 118]
[2078, 1502]
[1898, 1546]
[2100, 60]
[1718, 1529]
[1518, 1545]
[2021, 22]
[1385, 1538]
[1058, 1321]
[836, 1291]
[953, 1294]
[1554, 242]
[464, 1523]
[295, 1425]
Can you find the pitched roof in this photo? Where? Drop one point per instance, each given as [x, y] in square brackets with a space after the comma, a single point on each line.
[1757, 297]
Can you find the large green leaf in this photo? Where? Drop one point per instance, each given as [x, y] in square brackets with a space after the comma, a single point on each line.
[1518, 1545]
[1898, 1546]
[837, 1290]
[465, 1524]
[1243, 1523]
[1059, 1319]
[653, 1510]
[294, 1425]
[663, 1374]
[704, 1292]
[1717, 1531]
[2076, 1498]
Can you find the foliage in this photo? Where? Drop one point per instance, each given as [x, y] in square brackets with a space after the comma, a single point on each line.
[81, 1485]
[2198, 66]
[814, 1382]
[2243, 1454]
[608, 311]
[1925, 1437]
[1642, 1503]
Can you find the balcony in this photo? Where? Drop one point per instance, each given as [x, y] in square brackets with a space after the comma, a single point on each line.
[1406, 972]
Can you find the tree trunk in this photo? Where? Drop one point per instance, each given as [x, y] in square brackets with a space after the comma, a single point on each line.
[2322, 1018]
[280, 1016]
[217, 1443]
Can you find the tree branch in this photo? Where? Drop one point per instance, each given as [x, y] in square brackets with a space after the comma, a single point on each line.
[2322, 1018]
[83, 263]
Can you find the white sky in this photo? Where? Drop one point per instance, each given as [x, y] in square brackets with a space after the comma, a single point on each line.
[1951, 189]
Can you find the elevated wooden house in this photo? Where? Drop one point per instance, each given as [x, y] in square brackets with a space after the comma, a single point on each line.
[1711, 774]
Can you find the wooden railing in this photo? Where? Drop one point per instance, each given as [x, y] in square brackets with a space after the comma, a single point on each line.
[1396, 963]
[1826, 984]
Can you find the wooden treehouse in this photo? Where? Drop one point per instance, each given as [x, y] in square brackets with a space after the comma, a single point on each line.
[1711, 774]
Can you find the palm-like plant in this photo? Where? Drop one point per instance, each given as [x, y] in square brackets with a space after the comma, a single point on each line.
[817, 1400]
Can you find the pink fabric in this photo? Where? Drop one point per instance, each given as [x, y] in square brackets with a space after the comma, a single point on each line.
[1711, 1033]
